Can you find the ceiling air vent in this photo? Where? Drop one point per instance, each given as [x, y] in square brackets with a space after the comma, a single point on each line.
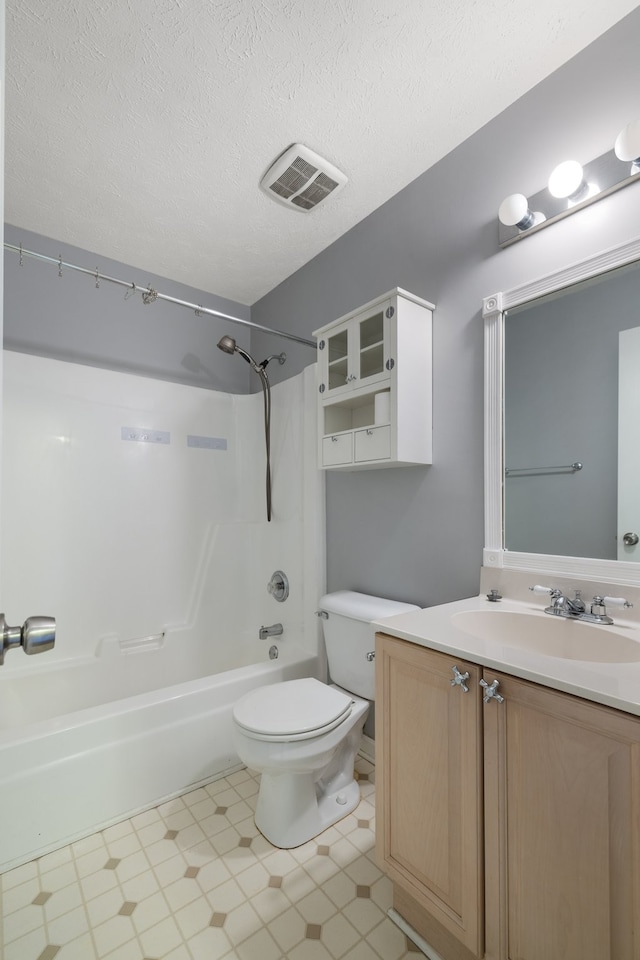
[301, 179]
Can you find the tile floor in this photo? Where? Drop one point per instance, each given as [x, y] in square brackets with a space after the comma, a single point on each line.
[193, 879]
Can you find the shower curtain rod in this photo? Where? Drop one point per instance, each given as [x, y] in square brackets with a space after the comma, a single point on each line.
[149, 295]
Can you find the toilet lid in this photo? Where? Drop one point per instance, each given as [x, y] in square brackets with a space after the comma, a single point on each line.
[294, 708]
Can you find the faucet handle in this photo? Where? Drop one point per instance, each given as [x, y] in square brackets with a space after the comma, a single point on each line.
[538, 589]
[616, 602]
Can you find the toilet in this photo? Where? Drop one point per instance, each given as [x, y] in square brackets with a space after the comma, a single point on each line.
[302, 736]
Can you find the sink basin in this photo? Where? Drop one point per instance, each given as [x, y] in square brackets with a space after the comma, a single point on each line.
[552, 636]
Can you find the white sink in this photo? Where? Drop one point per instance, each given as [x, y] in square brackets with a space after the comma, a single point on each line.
[552, 636]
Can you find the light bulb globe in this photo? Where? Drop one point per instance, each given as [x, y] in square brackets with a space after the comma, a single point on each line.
[627, 145]
[513, 209]
[566, 179]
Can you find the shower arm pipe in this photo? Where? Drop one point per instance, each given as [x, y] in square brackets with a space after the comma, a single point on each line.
[154, 295]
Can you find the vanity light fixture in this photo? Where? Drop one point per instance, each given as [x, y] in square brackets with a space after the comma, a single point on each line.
[571, 187]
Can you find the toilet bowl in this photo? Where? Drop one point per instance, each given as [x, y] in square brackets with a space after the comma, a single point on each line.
[302, 736]
[308, 737]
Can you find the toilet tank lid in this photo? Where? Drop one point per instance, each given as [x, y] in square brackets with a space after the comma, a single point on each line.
[361, 606]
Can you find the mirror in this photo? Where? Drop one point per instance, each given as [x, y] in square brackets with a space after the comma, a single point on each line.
[562, 390]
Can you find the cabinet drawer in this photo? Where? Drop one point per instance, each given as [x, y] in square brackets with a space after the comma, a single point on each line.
[374, 443]
[337, 449]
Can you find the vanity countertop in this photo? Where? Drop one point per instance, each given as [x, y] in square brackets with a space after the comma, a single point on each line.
[615, 684]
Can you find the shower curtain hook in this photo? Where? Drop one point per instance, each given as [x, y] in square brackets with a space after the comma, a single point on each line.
[130, 293]
[59, 264]
[97, 279]
[149, 296]
[21, 261]
[197, 310]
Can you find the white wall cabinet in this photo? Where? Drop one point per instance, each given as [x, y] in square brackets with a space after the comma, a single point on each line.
[383, 350]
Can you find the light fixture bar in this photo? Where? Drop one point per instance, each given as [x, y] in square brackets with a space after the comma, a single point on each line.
[606, 173]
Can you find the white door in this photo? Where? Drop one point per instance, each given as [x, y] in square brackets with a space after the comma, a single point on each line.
[628, 533]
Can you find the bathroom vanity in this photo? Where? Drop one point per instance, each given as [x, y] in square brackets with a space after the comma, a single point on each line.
[508, 784]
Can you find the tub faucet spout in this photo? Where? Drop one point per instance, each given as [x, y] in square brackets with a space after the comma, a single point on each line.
[275, 630]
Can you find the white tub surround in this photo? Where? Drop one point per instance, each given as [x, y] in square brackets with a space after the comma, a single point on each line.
[150, 498]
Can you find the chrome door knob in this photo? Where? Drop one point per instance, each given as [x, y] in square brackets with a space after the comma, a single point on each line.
[630, 539]
[459, 679]
[491, 691]
[36, 635]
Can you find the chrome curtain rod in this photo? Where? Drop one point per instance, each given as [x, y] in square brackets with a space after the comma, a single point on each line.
[149, 295]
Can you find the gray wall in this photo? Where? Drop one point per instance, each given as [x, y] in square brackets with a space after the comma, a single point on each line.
[415, 533]
[561, 405]
[69, 319]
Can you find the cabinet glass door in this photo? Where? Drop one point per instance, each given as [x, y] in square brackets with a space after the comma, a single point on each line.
[337, 359]
[371, 350]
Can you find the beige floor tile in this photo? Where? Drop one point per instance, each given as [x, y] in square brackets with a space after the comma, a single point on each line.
[241, 923]
[212, 943]
[15, 898]
[261, 946]
[79, 949]
[316, 907]
[288, 929]
[69, 926]
[253, 879]
[149, 912]
[339, 936]
[113, 933]
[13, 878]
[388, 940]
[159, 939]
[310, 950]
[59, 877]
[194, 879]
[193, 918]
[269, 904]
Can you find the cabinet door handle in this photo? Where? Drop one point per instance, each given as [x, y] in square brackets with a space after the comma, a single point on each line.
[491, 691]
[459, 679]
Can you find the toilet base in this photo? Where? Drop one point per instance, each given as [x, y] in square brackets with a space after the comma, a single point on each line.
[296, 805]
[288, 814]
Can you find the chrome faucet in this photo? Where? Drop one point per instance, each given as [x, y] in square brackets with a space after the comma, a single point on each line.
[275, 630]
[563, 606]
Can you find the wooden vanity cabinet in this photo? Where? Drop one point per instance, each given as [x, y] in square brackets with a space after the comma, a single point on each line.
[429, 793]
[556, 867]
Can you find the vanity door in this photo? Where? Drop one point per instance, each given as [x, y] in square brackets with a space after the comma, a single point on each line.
[429, 792]
[562, 827]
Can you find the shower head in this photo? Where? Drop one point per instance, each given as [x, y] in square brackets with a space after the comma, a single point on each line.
[228, 345]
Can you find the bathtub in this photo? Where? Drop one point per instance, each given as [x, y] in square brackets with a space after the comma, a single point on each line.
[86, 743]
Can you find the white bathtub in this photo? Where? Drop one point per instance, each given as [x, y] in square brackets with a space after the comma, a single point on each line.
[85, 744]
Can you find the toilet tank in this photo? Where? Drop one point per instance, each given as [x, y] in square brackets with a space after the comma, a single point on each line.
[349, 637]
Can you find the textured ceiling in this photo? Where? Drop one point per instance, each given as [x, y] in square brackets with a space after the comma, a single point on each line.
[139, 129]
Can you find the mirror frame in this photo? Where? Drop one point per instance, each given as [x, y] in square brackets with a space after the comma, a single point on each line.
[493, 312]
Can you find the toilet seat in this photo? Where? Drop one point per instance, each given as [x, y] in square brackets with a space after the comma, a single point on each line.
[292, 710]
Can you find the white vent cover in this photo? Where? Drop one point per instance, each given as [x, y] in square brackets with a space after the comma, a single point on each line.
[301, 179]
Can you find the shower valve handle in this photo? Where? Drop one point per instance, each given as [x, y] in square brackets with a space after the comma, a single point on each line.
[36, 635]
